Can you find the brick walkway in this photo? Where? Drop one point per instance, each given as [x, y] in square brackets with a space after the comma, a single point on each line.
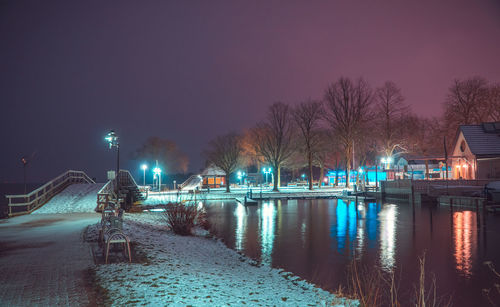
[43, 260]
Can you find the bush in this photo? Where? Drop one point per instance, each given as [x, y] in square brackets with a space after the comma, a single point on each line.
[181, 217]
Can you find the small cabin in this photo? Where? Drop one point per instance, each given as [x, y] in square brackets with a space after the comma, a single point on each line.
[213, 177]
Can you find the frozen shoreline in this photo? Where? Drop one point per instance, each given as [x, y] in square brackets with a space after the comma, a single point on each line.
[200, 271]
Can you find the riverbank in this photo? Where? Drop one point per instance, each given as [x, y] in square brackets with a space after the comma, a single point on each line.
[199, 271]
[156, 198]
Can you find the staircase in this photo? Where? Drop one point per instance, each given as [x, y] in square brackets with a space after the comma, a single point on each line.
[129, 191]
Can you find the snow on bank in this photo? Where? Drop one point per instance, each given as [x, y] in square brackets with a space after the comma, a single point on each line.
[75, 198]
[200, 272]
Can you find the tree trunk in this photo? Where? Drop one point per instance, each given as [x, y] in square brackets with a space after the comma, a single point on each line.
[321, 175]
[277, 171]
[309, 158]
[347, 173]
[227, 184]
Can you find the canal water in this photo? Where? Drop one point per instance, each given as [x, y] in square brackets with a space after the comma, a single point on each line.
[317, 240]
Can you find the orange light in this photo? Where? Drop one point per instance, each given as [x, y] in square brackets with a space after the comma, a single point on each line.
[465, 166]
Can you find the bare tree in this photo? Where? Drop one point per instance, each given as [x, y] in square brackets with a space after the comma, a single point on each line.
[307, 116]
[425, 135]
[273, 139]
[326, 153]
[494, 102]
[225, 152]
[347, 112]
[390, 110]
[466, 103]
[166, 152]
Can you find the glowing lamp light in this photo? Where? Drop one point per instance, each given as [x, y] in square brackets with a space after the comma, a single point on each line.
[465, 166]
[157, 171]
[457, 166]
[111, 138]
[144, 167]
[325, 180]
[361, 170]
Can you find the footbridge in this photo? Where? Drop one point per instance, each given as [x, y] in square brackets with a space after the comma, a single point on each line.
[192, 183]
[27, 203]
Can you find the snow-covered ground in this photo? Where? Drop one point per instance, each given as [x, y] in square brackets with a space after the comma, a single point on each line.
[75, 198]
[199, 271]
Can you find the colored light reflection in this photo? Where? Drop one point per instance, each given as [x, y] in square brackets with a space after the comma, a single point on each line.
[464, 238]
[241, 225]
[387, 217]
[346, 223]
[267, 227]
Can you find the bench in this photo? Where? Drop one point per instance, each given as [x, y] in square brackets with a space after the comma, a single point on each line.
[111, 232]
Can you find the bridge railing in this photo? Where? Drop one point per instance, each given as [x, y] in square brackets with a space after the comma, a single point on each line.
[105, 194]
[26, 203]
[189, 181]
[108, 191]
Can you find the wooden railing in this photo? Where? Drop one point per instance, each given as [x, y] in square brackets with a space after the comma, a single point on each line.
[43, 194]
[106, 194]
[190, 180]
[108, 191]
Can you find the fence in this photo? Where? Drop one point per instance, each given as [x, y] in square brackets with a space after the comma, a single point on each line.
[26, 203]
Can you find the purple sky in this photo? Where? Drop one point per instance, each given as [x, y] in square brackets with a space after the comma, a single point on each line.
[191, 70]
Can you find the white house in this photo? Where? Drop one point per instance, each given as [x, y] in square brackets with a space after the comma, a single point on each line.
[476, 154]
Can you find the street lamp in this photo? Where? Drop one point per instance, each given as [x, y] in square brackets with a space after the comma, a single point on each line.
[113, 141]
[240, 176]
[266, 171]
[144, 168]
[157, 172]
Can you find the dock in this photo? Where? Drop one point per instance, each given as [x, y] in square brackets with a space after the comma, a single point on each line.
[246, 201]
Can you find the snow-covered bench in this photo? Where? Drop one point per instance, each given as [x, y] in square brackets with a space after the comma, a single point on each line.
[111, 232]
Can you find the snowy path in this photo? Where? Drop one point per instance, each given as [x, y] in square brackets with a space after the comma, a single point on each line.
[198, 271]
[75, 198]
[43, 260]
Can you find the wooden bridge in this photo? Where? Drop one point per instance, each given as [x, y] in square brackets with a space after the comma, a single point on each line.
[27, 203]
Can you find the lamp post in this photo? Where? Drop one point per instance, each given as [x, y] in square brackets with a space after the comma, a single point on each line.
[144, 168]
[157, 172]
[241, 175]
[24, 161]
[266, 171]
[113, 141]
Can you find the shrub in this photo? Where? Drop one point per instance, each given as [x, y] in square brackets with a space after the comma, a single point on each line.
[181, 217]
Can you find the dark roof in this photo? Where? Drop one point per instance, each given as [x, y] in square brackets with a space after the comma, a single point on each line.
[482, 140]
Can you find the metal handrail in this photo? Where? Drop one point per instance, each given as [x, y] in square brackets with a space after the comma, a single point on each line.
[40, 196]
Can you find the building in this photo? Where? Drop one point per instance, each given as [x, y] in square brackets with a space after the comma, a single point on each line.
[476, 154]
[213, 177]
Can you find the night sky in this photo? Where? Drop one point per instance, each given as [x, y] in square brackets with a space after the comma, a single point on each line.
[191, 70]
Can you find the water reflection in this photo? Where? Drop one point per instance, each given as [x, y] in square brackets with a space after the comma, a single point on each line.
[387, 217]
[267, 227]
[346, 224]
[464, 238]
[316, 239]
[241, 225]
